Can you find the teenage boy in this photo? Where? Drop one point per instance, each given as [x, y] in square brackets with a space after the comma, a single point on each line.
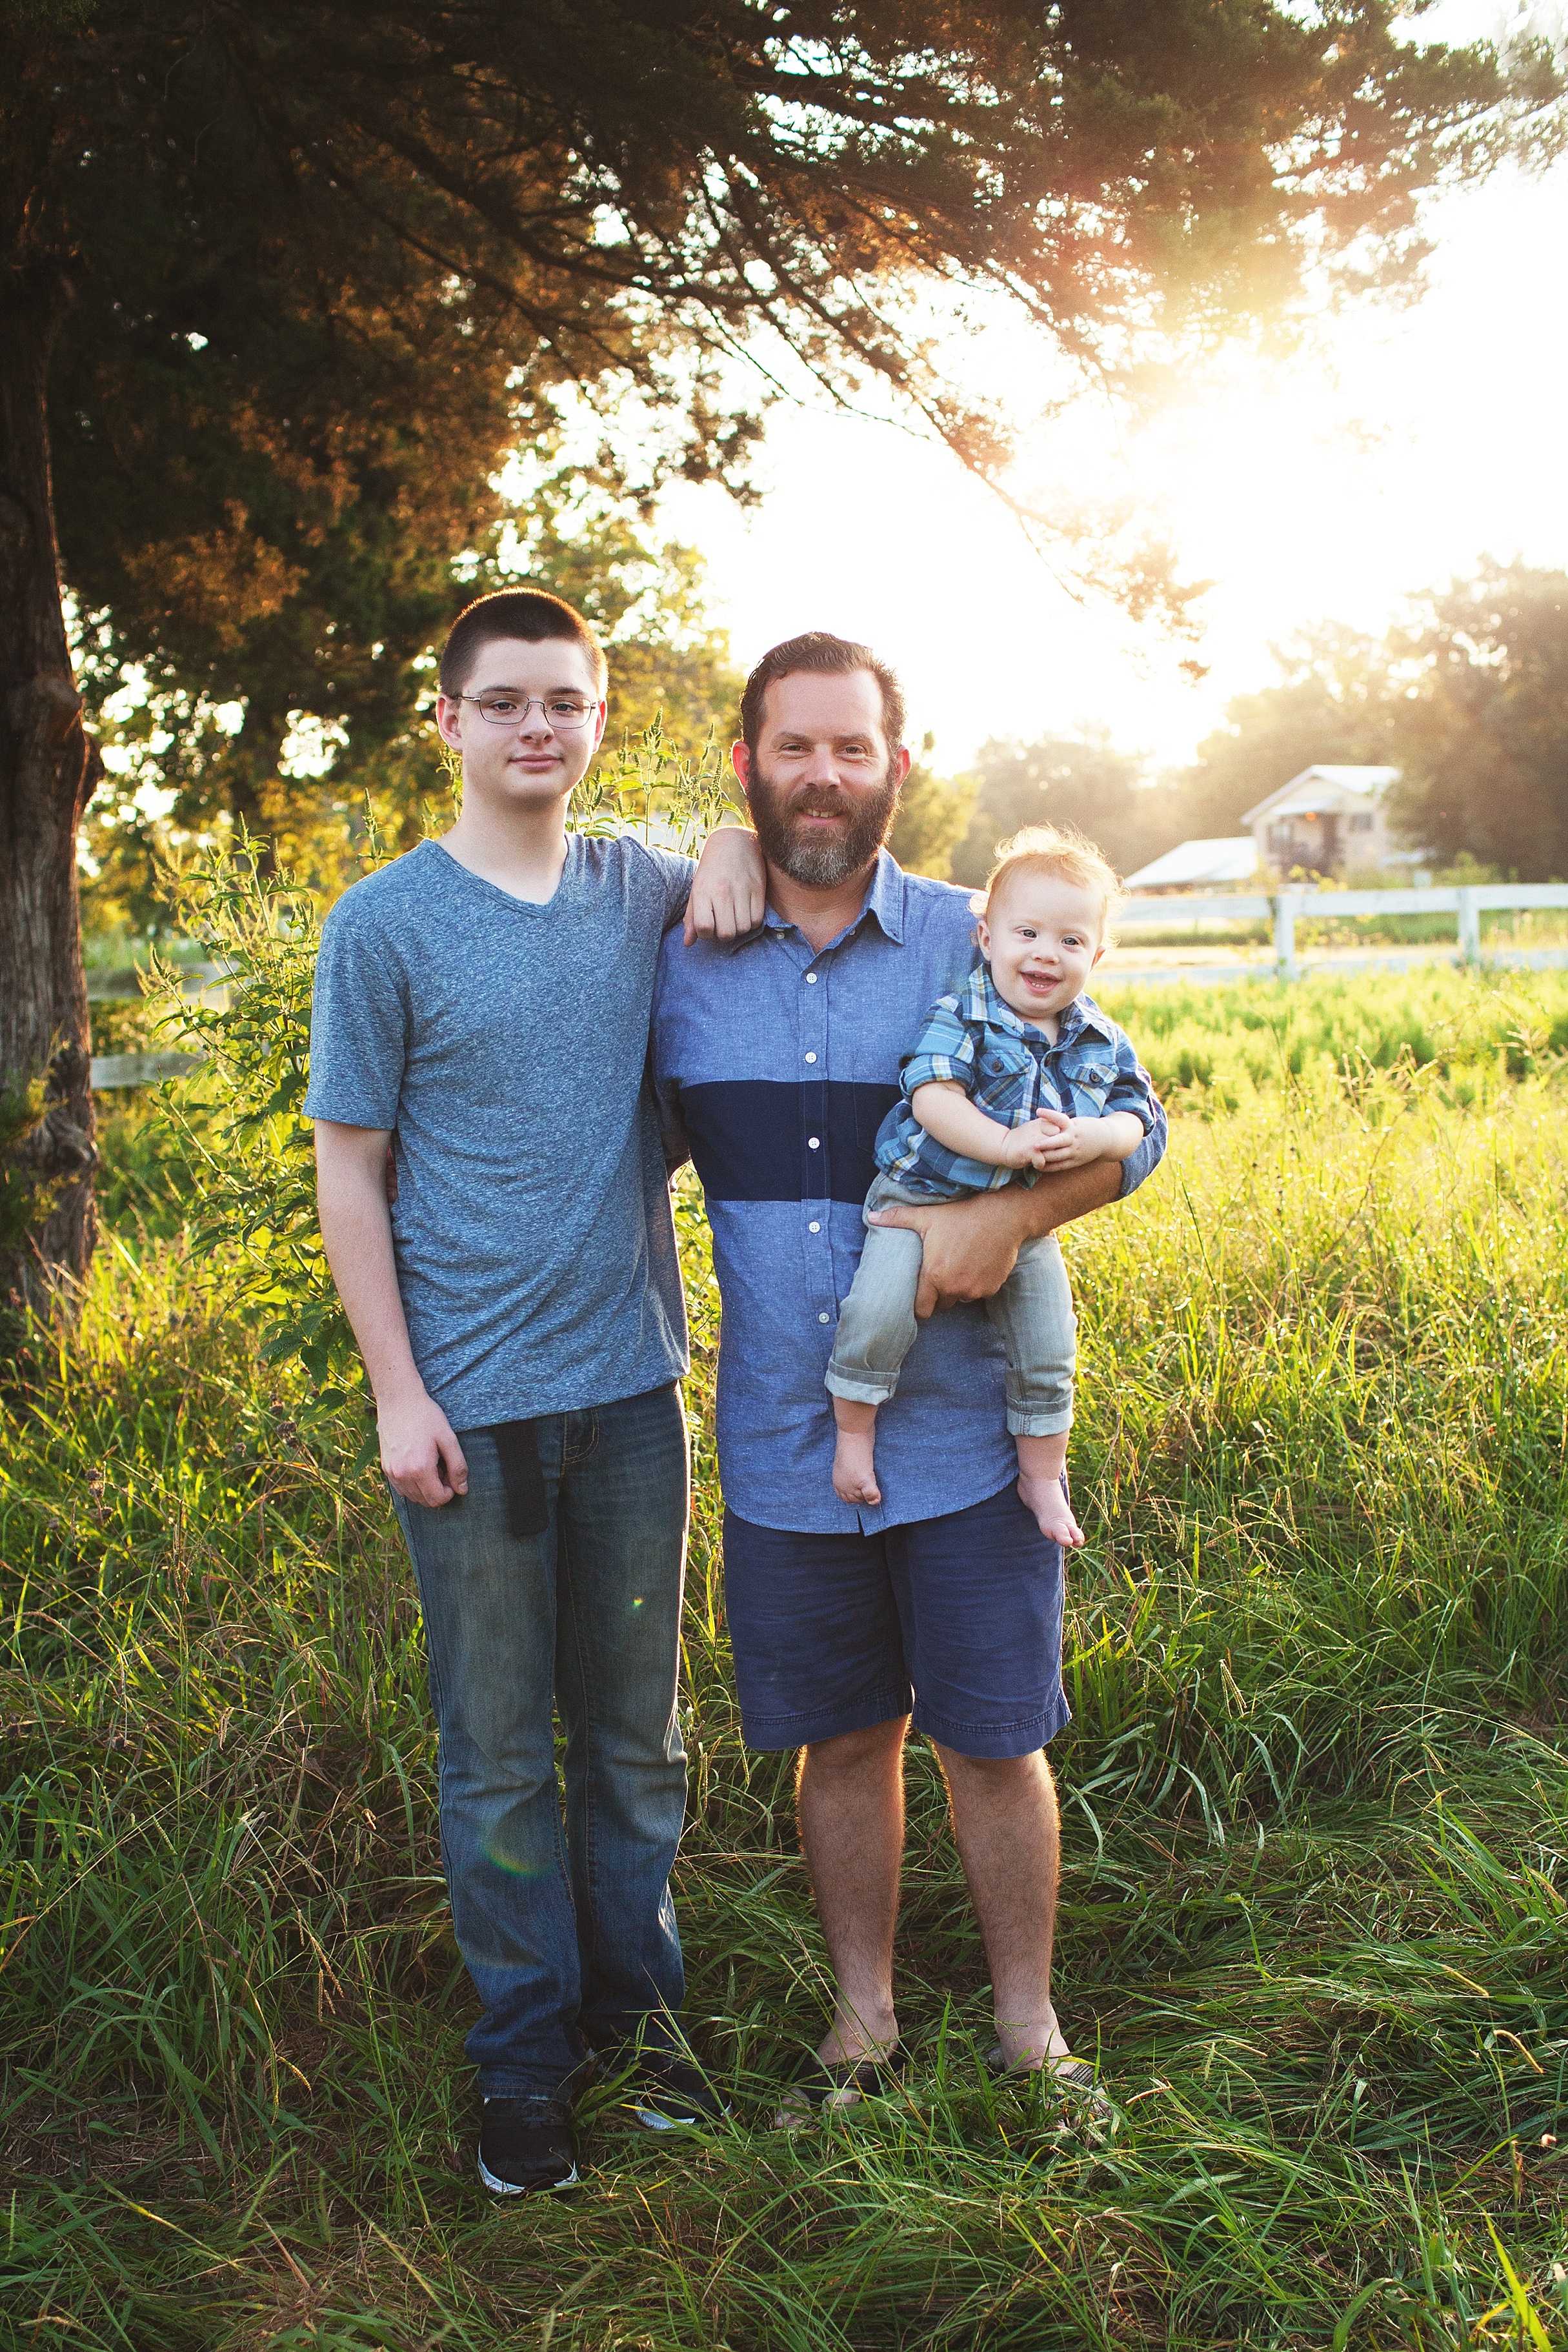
[483, 1003]
[777, 1060]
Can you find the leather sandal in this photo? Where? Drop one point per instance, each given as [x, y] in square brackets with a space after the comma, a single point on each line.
[1074, 2076]
[815, 2080]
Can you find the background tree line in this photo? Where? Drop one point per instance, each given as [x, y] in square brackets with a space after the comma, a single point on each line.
[1469, 698]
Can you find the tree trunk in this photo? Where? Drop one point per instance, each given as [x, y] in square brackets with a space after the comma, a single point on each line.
[47, 1225]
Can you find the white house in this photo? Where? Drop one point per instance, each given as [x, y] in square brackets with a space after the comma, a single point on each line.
[1200, 865]
[1327, 821]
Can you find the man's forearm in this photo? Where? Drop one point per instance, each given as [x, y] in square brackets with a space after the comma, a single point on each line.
[1057, 1199]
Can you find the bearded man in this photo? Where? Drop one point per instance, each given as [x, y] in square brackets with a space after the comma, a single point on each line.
[776, 1057]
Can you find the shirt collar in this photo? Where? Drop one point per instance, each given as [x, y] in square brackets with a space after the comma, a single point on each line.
[1081, 1018]
[884, 898]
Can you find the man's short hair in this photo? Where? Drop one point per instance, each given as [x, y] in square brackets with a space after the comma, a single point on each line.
[825, 656]
[532, 614]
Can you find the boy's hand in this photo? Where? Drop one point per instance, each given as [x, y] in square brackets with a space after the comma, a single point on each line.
[730, 890]
[419, 1453]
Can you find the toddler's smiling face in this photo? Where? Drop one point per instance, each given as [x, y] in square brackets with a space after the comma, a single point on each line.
[1042, 937]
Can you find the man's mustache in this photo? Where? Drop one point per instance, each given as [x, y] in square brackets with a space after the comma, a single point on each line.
[819, 800]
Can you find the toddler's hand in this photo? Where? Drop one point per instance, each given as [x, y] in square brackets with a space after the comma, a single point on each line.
[1027, 1144]
[1074, 1143]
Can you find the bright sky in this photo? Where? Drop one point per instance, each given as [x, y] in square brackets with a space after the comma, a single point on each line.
[1434, 437]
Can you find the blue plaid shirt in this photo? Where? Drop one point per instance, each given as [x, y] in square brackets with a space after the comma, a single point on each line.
[775, 1064]
[1009, 1069]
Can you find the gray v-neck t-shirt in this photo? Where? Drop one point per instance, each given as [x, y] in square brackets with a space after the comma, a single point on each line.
[505, 1044]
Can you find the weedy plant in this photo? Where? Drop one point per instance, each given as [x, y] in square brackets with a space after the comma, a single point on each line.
[1315, 1900]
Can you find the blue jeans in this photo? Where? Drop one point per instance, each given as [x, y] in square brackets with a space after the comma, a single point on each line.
[568, 1930]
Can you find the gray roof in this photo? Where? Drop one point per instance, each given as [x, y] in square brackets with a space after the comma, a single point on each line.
[1234, 859]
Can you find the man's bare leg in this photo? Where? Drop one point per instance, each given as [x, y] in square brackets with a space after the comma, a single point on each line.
[1006, 1822]
[851, 1799]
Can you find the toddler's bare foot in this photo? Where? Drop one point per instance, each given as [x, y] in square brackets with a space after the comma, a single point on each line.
[854, 1472]
[1050, 1506]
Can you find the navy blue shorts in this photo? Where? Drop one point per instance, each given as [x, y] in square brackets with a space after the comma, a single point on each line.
[960, 1618]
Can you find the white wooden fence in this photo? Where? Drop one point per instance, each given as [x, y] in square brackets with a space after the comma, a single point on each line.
[1466, 903]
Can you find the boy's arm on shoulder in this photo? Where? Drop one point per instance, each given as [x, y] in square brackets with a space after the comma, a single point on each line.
[729, 894]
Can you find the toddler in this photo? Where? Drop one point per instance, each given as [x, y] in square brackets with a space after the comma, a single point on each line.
[1018, 1074]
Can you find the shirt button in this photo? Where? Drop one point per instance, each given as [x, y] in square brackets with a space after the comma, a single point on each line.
[812, 1143]
[812, 977]
[822, 1318]
[814, 1227]
[811, 1058]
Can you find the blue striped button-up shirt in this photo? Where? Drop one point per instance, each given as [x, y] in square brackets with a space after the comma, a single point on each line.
[777, 1065]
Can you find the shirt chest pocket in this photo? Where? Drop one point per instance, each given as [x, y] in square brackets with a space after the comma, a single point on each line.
[1003, 1081]
[1090, 1084]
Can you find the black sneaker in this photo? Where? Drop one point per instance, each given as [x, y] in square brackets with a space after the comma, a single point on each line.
[527, 2145]
[663, 2090]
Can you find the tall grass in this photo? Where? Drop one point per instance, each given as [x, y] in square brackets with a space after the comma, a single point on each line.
[1316, 1797]
[1212, 1049]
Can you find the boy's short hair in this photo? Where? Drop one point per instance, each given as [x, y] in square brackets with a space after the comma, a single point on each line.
[1061, 850]
[824, 656]
[532, 614]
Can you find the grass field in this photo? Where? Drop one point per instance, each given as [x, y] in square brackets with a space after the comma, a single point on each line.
[1315, 1902]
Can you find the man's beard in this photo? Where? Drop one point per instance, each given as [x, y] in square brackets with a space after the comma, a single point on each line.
[822, 863]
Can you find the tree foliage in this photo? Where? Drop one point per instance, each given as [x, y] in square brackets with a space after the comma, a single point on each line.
[1074, 780]
[933, 815]
[329, 262]
[1467, 696]
[1485, 735]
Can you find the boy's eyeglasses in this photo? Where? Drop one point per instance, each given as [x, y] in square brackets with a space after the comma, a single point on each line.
[561, 713]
